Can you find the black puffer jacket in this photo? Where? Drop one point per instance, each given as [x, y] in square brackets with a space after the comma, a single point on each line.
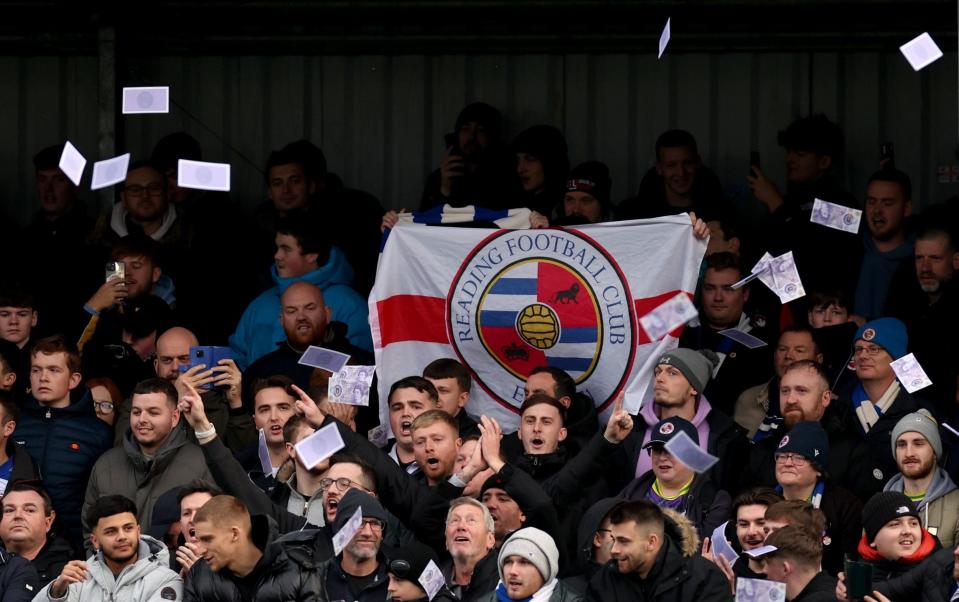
[286, 571]
[932, 581]
[679, 574]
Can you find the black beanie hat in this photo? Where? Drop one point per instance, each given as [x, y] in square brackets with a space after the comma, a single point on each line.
[884, 507]
[353, 499]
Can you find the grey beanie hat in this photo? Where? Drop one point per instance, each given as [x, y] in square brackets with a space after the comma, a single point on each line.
[535, 546]
[920, 422]
[696, 366]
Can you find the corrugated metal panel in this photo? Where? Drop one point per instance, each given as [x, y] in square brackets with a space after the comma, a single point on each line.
[381, 119]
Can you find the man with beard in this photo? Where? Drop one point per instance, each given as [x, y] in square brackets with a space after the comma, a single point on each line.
[757, 409]
[306, 320]
[917, 448]
[804, 396]
[359, 571]
[923, 296]
[126, 566]
[655, 554]
[436, 442]
[888, 243]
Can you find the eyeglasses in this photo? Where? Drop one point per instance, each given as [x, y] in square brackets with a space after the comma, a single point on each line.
[868, 350]
[373, 523]
[609, 533]
[342, 484]
[104, 407]
[135, 190]
[400, 568]
[796, 459]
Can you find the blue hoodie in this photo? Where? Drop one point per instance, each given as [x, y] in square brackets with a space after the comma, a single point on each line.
[259, 329]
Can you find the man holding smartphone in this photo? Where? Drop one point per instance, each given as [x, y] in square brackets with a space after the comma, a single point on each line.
[476, 168]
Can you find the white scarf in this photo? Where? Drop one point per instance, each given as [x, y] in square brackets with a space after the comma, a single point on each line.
[866, 412]
[543, 593]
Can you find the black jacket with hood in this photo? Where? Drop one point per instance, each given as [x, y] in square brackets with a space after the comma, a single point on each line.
[679, 573]
[584, 566]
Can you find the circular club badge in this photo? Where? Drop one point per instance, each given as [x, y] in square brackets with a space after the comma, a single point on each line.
[524, 299]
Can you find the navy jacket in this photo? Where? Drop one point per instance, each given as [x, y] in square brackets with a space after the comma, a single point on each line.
[18, 578]
[65, 443]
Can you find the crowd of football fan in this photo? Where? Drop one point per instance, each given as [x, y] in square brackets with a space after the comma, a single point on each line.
[129, 471]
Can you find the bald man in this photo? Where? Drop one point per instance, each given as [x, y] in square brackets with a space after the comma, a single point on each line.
[306, 320]
[223, 404]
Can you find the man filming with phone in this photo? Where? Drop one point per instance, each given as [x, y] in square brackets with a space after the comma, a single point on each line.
[122, 319]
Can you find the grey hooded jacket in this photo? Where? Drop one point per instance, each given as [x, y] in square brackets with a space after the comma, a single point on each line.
[149, 579]
[939, 509]
[124, 470]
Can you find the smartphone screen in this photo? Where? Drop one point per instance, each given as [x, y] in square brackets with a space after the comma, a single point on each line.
[116, 269]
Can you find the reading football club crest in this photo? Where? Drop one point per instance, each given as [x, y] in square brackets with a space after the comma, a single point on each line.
[524, 299]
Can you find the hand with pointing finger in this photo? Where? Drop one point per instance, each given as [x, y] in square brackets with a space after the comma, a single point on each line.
[620, 423]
